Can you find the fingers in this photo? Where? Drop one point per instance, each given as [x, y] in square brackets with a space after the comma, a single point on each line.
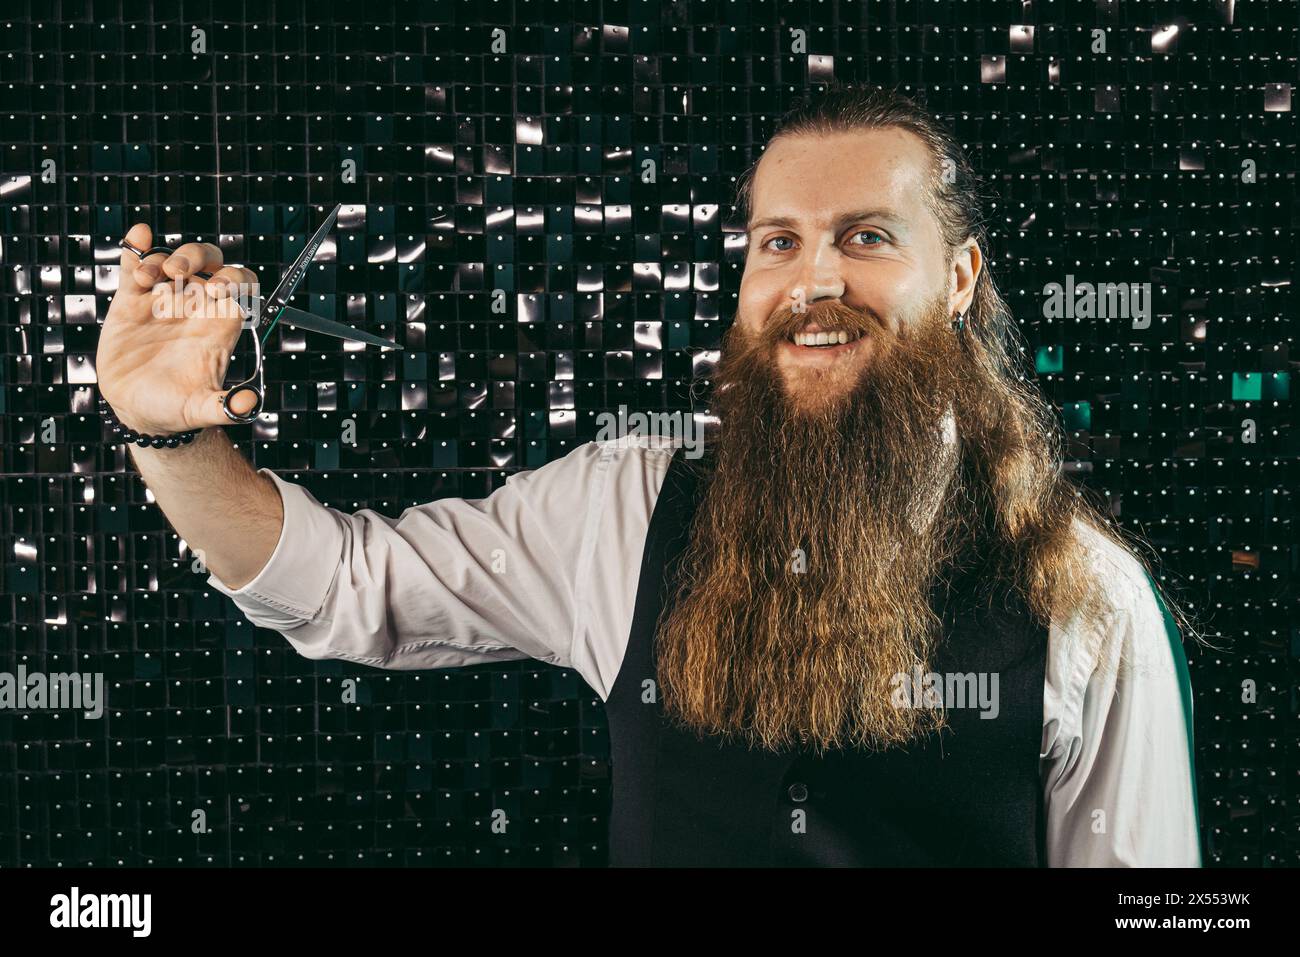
[232, 281]
[135, 275]
[140, 276]
[192, 258]
[232, 290]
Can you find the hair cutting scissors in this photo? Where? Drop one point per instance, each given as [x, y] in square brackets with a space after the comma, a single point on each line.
[268, 310]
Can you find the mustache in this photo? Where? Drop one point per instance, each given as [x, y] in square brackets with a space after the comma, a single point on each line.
[833, 314]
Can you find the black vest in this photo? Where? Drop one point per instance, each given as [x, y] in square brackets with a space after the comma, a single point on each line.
[969, 795]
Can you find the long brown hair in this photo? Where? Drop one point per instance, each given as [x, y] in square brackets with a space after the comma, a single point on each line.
[1012, 442]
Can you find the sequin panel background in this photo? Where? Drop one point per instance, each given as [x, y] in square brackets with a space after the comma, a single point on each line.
[538, 204]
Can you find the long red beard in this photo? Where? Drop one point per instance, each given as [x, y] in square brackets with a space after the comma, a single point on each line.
[806, 584]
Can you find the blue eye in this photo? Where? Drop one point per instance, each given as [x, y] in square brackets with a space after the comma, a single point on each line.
[869, 232]
[879, 239]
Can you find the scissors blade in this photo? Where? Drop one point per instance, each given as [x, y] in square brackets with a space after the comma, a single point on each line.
[286, 287]
[307, 320]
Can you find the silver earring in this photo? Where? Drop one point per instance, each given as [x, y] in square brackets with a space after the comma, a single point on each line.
[958, 322]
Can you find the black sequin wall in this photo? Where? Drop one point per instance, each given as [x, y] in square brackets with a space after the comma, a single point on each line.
[582, 158]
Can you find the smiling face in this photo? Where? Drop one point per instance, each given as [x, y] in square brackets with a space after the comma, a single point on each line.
[850, 478]
[844, 255]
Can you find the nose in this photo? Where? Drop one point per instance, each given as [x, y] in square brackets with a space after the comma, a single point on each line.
[818, 276]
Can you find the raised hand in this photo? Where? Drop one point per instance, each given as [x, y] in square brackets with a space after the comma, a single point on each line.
[164, 346]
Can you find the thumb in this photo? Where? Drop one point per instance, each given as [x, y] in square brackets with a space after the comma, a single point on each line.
[212, 411]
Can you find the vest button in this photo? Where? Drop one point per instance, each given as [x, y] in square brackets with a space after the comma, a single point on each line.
[798, 792]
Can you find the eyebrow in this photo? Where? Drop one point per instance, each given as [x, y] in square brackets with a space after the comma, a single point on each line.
[883, 216]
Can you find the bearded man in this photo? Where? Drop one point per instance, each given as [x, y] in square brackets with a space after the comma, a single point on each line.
[873, 625]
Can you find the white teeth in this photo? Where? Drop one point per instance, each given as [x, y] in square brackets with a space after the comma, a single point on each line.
[837, 338]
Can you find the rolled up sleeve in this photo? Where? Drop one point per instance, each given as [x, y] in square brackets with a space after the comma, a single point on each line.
[448, 583]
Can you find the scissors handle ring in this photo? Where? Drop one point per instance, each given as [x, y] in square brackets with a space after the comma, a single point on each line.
[248, 385]
[142, 253]
[253, 413]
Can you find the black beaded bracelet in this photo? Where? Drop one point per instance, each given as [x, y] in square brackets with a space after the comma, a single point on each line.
[144, 439]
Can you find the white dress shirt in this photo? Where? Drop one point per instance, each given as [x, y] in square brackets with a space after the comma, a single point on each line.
[547, 567]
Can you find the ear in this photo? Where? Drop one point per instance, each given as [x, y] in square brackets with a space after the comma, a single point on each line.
[965, 270]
